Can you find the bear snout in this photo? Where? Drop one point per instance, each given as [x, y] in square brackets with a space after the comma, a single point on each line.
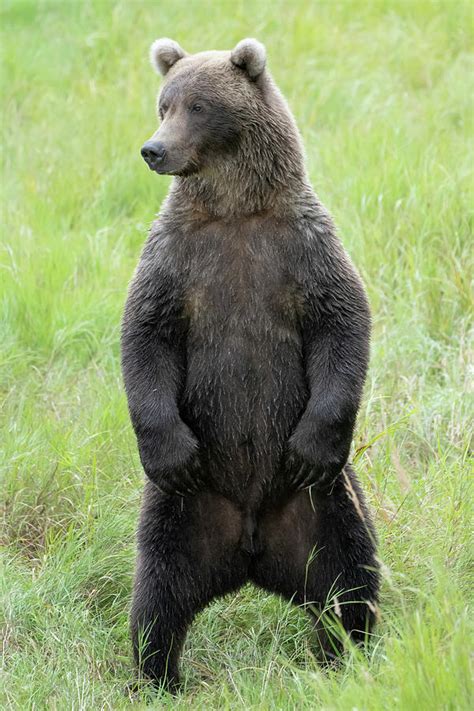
[153, 153]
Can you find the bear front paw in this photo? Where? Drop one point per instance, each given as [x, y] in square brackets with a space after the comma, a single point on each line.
[181, 481]
[303, 474]
[170, 458]
[315, 456]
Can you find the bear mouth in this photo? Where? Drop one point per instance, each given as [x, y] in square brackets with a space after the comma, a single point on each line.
[178, 173]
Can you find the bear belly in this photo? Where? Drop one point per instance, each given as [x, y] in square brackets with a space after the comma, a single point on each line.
[243, 397]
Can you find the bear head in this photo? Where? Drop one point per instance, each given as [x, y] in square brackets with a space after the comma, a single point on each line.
[221, 114]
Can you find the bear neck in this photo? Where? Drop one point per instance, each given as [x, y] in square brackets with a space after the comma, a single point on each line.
[265, 173]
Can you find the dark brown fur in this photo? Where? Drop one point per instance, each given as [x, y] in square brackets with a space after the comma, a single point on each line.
[245, 349]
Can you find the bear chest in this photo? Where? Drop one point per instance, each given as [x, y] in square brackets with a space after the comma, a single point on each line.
[242, 294]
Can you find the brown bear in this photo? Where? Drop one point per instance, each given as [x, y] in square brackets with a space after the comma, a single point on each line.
[245, 345]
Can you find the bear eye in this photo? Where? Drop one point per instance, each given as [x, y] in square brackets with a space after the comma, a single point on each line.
[163, 110]
[196, 108]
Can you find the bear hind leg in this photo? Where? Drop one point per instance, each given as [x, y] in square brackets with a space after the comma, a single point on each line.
[188, 555]
[319, 551]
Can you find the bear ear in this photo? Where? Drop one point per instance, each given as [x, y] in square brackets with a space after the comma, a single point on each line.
[164, 53]
[250, 55]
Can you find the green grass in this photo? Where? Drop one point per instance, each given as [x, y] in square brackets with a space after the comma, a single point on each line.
[382, 93]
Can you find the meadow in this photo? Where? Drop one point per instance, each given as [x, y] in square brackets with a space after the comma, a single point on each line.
[382, 92]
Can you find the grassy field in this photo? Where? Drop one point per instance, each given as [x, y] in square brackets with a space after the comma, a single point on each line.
[381, 91]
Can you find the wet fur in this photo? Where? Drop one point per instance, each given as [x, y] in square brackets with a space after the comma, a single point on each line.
[245, 348]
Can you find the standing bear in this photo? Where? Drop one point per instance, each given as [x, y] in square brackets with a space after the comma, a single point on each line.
[245, 344]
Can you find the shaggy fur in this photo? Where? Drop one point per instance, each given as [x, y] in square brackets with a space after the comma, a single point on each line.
[245, 348]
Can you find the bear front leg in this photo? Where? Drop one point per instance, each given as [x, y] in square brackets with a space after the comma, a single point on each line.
[335, 331]
[153, 364]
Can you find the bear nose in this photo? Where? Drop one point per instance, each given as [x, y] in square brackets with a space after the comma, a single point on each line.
[153, 153]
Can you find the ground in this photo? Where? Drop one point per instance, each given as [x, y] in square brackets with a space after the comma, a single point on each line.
[382, 93]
